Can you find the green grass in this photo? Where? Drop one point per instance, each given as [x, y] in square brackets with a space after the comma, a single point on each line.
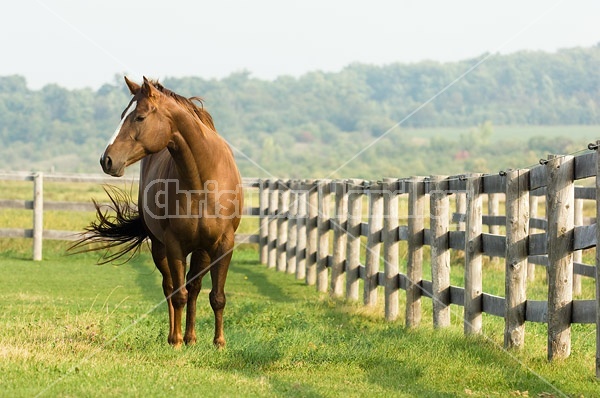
[71, 328]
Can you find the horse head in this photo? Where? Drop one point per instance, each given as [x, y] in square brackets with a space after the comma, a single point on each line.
[144, 129]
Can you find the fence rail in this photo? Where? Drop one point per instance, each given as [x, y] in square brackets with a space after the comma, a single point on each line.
[328, 220]
[38, 205]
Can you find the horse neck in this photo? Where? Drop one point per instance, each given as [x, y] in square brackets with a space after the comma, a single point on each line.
[197, 151]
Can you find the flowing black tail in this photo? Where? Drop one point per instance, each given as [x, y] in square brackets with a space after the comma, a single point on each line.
[123, 229]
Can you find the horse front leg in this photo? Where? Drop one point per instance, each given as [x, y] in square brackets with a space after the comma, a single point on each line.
[160, 260]
[198, 264]
[218, 274]
[177, 265]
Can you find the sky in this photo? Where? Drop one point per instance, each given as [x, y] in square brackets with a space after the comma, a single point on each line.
[80, 44]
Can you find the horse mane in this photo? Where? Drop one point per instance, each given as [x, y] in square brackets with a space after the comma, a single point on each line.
[189, 104]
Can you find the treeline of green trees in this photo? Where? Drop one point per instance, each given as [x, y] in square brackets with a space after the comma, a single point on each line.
[315, 124]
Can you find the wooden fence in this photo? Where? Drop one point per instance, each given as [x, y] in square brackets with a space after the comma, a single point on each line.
[313, 229]
[38, 205]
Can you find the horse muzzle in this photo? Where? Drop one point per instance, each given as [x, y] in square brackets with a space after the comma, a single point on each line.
[115, 169]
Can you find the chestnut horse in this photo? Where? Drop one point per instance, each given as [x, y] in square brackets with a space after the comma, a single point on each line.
[190, 200]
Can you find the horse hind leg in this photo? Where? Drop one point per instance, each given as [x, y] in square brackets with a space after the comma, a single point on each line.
[198, 264]
[217, 299]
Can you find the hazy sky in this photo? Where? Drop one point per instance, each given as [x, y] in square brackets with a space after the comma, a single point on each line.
[86, 43]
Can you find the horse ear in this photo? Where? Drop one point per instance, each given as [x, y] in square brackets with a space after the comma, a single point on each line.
[133, 87]
[149, 88]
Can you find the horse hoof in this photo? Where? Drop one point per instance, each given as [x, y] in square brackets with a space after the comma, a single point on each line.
[219, 343]
[190, 340]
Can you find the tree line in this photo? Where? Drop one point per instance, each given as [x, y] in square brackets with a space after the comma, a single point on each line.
[309, 126]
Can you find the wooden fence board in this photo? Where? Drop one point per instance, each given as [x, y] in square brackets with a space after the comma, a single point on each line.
[494, 183]
[537, 178]
[584, 237]
[585, 165]
[493, 305]
[536, 311]
[493, 245]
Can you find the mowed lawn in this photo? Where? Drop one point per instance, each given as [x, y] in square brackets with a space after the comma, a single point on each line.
[69, 327]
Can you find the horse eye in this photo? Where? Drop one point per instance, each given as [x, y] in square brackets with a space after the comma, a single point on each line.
[140, 118]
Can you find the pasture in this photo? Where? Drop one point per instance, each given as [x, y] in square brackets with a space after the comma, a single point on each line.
[71, 328]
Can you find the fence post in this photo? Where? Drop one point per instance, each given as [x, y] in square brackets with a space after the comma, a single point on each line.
[414, 267]
[473, 256]
[312, 232]
[282, 224]
[292, 235]
[263, 204]
[560, 203]
[577, 255]
[597, 260]
[440, 251]
[38, 215]
[533, 213]
[390, 247]
[324, 223]
[355, 197]
[301, 232]
[517, 231]
[273, 214]
[339, 238]
[373, 244]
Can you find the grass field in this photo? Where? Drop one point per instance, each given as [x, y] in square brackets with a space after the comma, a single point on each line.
[71, 328]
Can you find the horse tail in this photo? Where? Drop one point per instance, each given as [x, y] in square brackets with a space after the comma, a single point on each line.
[122, 227]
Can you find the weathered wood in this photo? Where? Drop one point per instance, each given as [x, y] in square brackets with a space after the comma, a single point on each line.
[414, 267]
[560, 205]
[282, 224]
[339, 238]
[246, 238]
[494, 305]
[493, 211]
[494, 184]
[373, 244]
[533, 214]
[493, 245]
[324, 189]
[585, 193]
[16, 233]
[354, 224]
[536, 311]
[16, 204]
[38, 215]
[273, 214]
[440, 251]
[577, 240]
[538, 244]
[585, 166]
[538, 177]
[473, 257]
[263, 205]
[517, 230]
[456, 240]
[584, 311]
[292, 233]
[312, 232]
[301, 231]
[597, 262]
[390, 248]
[461, 209]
